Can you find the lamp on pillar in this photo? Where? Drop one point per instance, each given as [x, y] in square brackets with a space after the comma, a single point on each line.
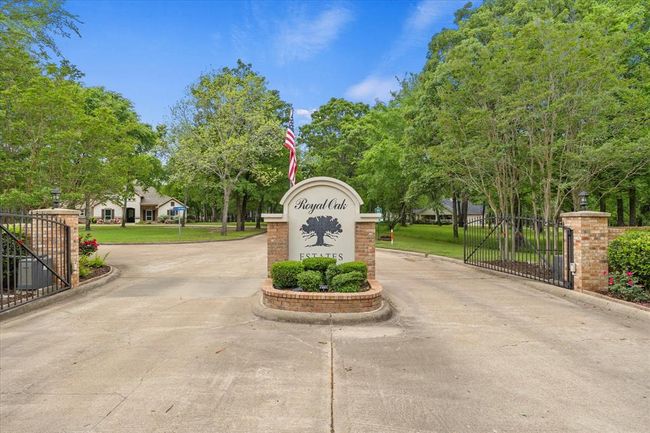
[56, 197]
[583, 200]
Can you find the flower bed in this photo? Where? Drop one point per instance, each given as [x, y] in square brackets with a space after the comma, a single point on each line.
[323, 302]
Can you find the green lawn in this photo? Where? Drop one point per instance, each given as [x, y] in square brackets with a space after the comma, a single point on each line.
[424, 238]
[138, 234]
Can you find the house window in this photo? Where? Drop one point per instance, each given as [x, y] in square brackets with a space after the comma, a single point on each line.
[172, 212]
[172, 204]
[148, 215]
[107, 214]
[82, 212]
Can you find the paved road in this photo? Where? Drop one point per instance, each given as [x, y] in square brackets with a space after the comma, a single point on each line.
[172, 346]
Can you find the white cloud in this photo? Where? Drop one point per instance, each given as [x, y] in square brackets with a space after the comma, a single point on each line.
[304, 112]
[416, 29]
[302, 38]
[372, 88]
[423, 16]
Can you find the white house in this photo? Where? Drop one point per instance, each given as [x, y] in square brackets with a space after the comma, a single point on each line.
[146, 205]
[444, 213]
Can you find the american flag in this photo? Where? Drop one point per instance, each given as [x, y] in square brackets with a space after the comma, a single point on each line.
[290, 143]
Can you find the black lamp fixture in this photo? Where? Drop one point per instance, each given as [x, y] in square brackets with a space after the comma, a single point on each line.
[583, 200]
[56, 197]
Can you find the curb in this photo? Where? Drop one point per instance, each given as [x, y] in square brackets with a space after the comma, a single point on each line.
[263, 232]
[384, 313]
[83, 289]
[583, 298]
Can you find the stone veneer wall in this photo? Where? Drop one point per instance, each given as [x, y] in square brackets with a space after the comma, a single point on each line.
[590, 240]
[615, 232]
[364, 246]
[323, 302]
[71, 219]
[277, 242]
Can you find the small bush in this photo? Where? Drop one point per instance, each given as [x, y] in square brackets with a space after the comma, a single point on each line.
[319, 264]
[347, 282]
[354, 267]
[87, 245]
[631, 253]
[163, 218]
[284, 274]
[310, 281]
[84, 271]
[626, 286]
[343, 268]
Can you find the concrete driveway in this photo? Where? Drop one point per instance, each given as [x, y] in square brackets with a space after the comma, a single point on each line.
[172, 346]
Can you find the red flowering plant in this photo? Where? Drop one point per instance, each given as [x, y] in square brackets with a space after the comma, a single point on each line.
[625, 285]
[87, 245]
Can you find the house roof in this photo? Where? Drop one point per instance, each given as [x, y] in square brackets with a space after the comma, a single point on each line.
[472, 209]
[447, 209]
[151, 196]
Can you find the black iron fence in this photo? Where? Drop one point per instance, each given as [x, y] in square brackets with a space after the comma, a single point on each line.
[34, 257]
[528, 247]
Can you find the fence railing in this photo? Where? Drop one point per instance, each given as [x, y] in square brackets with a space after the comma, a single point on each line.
[34, 258]
[528, 247]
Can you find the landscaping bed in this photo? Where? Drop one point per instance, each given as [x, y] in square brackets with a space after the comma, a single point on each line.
[95, 272]
[319, 285]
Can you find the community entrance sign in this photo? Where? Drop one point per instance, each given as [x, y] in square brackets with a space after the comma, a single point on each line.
[321, 221]
[321, 217]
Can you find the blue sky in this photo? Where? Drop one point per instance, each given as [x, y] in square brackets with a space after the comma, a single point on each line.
[150, 51]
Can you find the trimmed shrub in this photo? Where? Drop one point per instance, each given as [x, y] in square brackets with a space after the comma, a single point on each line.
[310, 281]
[343, 268]
[319, 264]
[347, 282]
[631, 253]
[284, 274]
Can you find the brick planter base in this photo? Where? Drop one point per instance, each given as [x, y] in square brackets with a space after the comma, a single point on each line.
[323, 302]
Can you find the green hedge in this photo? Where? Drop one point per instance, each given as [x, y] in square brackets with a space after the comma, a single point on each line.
[319, 264]
[344, 268]
[631, 252]
[347, 282]
[310, 281]
[285, 274]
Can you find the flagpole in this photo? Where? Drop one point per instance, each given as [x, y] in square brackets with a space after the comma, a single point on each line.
[291, 127]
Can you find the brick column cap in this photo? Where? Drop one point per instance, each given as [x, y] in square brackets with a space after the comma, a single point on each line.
[585, 214]
[57, 211]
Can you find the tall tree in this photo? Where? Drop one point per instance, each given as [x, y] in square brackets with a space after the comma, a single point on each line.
[229, 123]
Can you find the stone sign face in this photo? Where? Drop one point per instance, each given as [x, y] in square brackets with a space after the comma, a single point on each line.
[321, 221]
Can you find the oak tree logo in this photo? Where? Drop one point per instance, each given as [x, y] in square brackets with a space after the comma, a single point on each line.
[321, 227]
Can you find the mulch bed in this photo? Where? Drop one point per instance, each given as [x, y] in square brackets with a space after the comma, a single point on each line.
[644, 304]
[96, 273]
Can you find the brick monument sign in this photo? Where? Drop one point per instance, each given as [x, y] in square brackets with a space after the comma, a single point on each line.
[322, 217]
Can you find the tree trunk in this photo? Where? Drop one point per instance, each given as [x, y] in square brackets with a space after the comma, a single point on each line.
[241, 223]
[258, 215]
[238, 214]
[185, 198]
[402, 215]
[124, 207]
[454, 214]
[88, 214]
[602, 203]
[463, 209]
[213, 217]
[632, 197]
[224, 211]
[620, 219]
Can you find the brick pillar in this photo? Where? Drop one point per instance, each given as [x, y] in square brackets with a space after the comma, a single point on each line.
[364, 245]
[590, 239]
[71, 219]
[277, 243]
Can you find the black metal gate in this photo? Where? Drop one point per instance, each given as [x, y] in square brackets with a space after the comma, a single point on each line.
[34, 256]
[528, 247]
